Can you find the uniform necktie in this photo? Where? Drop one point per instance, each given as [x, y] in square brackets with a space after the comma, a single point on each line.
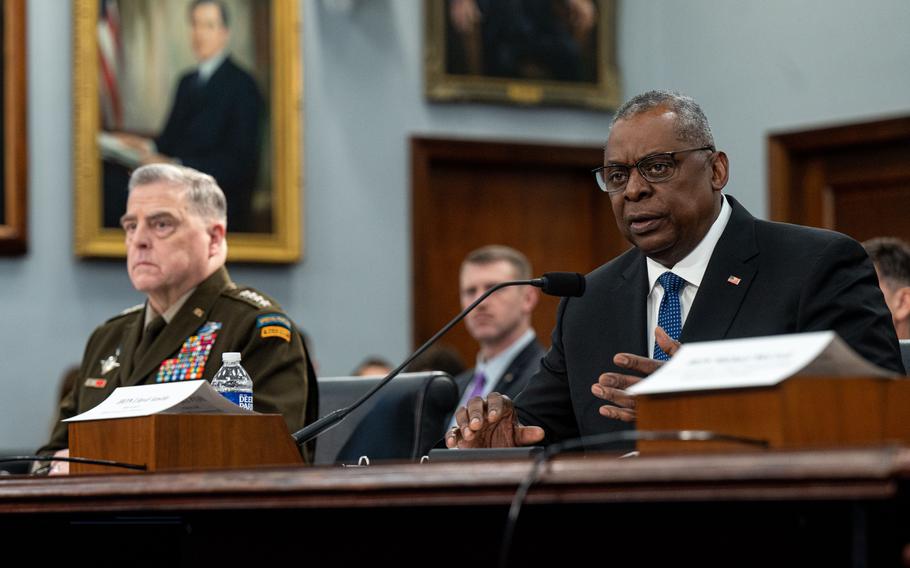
[479, 381]
[148, 336]
[669, 316]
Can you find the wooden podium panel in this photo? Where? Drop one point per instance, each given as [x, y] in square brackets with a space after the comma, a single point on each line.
[830, 508]
[165, 442]
[801, 412]
[897, 409]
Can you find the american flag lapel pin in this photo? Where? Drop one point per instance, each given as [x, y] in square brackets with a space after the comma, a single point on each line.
[735, 280]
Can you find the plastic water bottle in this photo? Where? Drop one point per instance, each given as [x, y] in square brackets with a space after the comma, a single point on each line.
[233, 382]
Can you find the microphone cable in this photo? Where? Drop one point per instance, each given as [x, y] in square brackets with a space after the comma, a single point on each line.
[43, 469]
[601, 439]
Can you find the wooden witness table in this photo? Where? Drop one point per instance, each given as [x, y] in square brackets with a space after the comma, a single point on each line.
[845, 507]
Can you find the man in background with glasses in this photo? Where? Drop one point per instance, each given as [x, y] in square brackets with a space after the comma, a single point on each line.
[702, 268]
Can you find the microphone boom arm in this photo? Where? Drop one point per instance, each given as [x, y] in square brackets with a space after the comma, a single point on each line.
[310, 431]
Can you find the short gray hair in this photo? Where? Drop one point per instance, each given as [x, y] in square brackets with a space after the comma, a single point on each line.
[892, 258]
[204, 196]
[495, 253]
[691, 122]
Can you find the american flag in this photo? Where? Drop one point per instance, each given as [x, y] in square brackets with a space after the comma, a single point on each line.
[110, 58]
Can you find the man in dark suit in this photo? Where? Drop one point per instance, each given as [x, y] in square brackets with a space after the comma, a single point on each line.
[214, 125]
[702, 268]
[509, 352]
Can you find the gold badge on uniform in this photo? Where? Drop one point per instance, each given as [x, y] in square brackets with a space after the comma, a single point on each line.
[276, 331]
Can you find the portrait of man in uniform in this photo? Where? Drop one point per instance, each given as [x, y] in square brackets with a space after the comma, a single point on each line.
[527, 52]
[531, 39]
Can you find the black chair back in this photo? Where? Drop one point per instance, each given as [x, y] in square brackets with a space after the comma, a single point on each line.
[905, 355]
[401, 422]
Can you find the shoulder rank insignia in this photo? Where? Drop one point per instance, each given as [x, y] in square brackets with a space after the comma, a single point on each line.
[128, 311]
[274, 325]
[189, 364]
[254, 297]
[110, 362]
[132, 309]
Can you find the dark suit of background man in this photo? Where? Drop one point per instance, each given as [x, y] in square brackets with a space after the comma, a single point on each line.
[175, 252]
[501, 324]
[214, 123]
[741, 277]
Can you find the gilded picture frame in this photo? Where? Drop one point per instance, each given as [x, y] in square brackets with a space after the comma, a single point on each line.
[270, 32]
[546, 58]
[14, 170]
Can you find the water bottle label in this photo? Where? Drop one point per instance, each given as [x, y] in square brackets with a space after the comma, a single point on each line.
[241, 399]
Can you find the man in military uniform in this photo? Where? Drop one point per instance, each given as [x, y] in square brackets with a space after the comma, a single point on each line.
[175, 227]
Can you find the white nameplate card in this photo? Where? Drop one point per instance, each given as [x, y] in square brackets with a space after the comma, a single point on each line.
[182, 397]
[757, 362]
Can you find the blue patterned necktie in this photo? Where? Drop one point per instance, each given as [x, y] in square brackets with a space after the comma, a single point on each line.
[669, 316]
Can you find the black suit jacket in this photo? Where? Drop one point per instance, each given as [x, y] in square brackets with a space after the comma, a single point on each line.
[792, 279]
[517, 374]
[215, 128]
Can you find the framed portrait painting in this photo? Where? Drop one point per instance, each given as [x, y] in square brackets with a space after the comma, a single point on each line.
[523, 52]
[215, 85]
[13, 165]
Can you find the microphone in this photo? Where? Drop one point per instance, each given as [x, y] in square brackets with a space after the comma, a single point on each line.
[561, 284]
[551, 283]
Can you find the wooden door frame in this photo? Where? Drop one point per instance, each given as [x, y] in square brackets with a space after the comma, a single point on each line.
[425, 151]
[793, 153]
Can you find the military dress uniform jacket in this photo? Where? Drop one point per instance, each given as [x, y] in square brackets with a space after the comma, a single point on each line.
[218, 316]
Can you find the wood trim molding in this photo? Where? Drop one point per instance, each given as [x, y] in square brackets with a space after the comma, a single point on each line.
[789, 153]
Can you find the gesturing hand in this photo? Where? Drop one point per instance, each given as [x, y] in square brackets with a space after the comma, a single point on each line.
[612, 386]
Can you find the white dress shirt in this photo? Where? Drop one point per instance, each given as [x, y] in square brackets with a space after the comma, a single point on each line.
[208, 67]
[691, 269]
[168, 315]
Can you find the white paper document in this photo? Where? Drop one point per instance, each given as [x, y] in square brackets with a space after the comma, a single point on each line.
[182, 397]
[757, 362]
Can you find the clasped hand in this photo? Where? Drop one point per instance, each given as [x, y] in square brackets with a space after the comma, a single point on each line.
[493, 423]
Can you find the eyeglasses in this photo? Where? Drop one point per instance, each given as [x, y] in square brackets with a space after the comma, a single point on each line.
[655, 168]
